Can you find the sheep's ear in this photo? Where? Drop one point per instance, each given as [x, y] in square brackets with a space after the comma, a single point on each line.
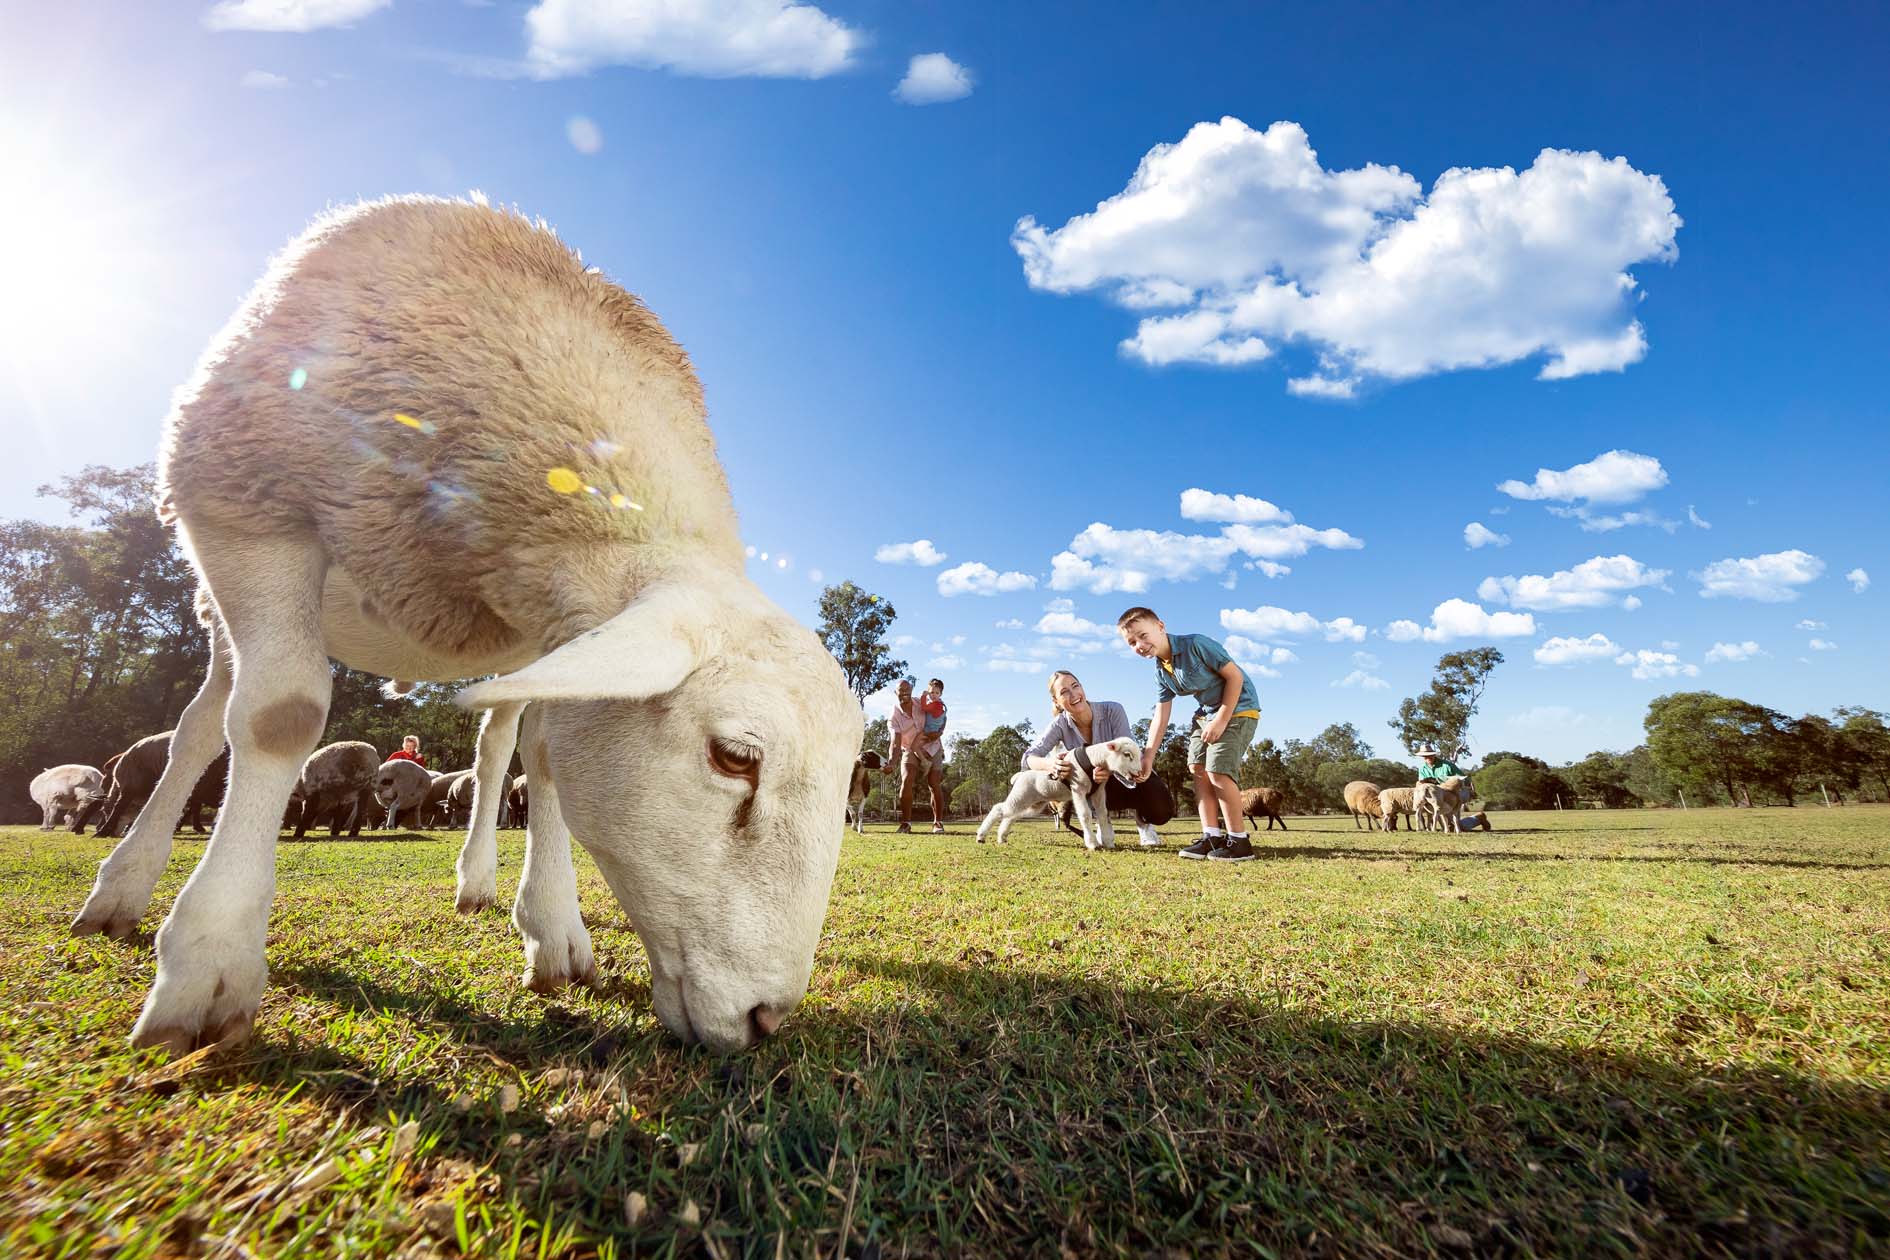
[645, 650]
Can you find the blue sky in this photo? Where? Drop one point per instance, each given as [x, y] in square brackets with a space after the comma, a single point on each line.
[889, 359]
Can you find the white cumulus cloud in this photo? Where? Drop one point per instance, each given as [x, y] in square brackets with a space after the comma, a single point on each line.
[585, 135]
[1009, 623]
[1809, 624]
[978, 578]
[1269, 622]
[1359, 678]
[264, 79]
[1610, 477]
[1201, 505]
[921, 552]
[1696, 520]
[1733, 652]
[1859, 580]
[932, 78]
[1068, 623]
[1822, 645]
[1243, 241]
[1570, 651]
[1461, 619]
[1772, 578]
[1593, 583]
[287, 16]
[716, 39]
[1477, 534]
[1646, 664]
[1004, 665]
[948, 661]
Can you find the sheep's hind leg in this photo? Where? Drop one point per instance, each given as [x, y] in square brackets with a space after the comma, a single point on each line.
[478, 867]
[210, 951]
[122, 891]
[557, 944]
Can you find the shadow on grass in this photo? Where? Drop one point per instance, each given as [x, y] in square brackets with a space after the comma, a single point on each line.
[979, 1108]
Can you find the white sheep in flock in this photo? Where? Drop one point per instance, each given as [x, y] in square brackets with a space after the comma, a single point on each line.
[1361, 798]
[62, 790]
[1397, 801]
[433, 445]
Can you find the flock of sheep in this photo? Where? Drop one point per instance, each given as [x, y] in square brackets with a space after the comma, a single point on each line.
[1430, 805]
[344, 784]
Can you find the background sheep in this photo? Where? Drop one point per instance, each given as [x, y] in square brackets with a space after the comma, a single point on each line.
[402, 787]
[134, 773]
[1394, 802]
[459, 797]
[98, 802]
[1362, 799]
[60, 791]
[469, 397]
[518, 801]
[337, 783]
[1439, 801]
[1264, 802]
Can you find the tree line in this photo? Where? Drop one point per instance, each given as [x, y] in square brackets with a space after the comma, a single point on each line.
[100, 645]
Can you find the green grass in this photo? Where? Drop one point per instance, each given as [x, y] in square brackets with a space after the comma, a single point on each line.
[1585, 1034]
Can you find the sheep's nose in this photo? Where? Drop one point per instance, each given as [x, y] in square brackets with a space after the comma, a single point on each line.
[763, 1020]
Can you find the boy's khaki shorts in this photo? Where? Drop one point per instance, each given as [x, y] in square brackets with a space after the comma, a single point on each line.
[1224, 754]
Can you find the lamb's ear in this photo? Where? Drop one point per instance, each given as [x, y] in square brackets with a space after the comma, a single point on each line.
[645, 650]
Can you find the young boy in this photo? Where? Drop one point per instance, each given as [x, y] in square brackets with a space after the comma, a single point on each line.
[1196, 666]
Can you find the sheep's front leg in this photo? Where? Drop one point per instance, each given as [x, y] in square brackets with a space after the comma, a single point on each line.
[478, 867]
[122, 891]
[557, 944]
[49, 816]
[997, 812]
[210, 951]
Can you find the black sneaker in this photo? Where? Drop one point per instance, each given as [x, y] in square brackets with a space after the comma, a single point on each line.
[1235, 850]
[903, 829]
[1204, 847]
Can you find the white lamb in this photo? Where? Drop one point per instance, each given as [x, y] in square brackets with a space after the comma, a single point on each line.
[433, 445]
[60, 791]
[1032, 789]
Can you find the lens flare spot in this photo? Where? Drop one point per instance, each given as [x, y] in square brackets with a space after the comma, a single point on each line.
[298, 378]
[423, 426]
[564, 481]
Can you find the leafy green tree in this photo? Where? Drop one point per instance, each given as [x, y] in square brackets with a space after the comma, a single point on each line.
[1645, 779]
[853, 626]
[99, 639]
[1601, 777]
[1865, 737]
[1441, 716]
[1700, 739]
[1263, 766]
[1511, 784]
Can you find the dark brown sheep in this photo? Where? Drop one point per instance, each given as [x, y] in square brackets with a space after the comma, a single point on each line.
[1264, 802]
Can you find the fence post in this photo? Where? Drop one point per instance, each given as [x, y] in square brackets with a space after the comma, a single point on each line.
[1827, 796]
[1683, 797]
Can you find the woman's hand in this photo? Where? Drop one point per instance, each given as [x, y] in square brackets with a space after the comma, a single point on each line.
[1100, 774]
[1061, 766]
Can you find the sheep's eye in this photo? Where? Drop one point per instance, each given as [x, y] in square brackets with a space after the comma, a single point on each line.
[736, 760]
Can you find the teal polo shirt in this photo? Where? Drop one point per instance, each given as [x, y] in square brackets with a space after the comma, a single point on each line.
[1194, 671]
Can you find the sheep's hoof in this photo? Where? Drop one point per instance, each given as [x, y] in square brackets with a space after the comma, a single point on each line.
[473, 903]
[579, 969]
[117, 927]
[554, 981]
[181, 1039]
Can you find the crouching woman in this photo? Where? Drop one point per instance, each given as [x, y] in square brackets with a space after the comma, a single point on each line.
[1079, 723]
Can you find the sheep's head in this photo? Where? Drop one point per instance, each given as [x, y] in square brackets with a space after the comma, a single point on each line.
[700, 745]
[401, 784]
[1123, 756]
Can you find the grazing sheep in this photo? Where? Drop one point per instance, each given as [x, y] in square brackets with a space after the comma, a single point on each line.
[60, 791]
[134, 776]
[208, 794]
[420, 390]
[868, 763]
[1264, 802]
[437, 809]
[1394, 802]
[402, 788]
[100, 799]
[1362, 799]
[337, 783]
[1031, 789]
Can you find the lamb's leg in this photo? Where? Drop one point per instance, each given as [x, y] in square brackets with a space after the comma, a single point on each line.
[122, 891]
[1098, 812]
[48, 815]
[997, 812]
[557, 944]
[210, 951]
[478, 867]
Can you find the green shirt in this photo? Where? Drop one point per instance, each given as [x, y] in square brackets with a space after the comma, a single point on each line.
[1441, 770]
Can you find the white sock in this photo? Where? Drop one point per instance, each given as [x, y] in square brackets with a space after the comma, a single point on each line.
[1236, 835]
[1212, 831]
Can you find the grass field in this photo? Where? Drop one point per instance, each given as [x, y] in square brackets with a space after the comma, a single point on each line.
[1585, 1034]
